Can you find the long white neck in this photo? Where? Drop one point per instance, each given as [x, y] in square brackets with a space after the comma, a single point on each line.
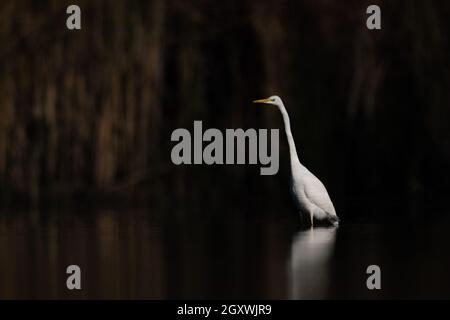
[287, 127]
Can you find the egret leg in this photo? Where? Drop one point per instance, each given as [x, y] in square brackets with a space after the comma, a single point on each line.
[312, 220]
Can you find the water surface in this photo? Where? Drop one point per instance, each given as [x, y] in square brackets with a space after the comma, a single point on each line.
[132, 253]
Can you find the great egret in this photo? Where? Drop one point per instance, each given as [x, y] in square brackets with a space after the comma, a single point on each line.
[309, 192]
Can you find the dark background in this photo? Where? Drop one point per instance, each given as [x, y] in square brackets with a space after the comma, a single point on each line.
[85, 124]
[91, 111]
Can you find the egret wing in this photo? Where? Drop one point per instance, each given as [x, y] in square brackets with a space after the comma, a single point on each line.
[316, 192]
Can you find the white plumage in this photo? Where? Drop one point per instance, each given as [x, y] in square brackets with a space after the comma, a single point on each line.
[310, 194]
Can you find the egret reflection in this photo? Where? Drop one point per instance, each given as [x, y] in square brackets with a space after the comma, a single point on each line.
[309, 263]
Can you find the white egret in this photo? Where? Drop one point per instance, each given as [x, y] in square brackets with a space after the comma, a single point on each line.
[308, 191]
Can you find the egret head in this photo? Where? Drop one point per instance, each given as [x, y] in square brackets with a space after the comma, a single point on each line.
[276, 100]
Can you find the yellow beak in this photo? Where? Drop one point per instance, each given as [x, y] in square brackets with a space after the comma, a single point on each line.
[262, 101]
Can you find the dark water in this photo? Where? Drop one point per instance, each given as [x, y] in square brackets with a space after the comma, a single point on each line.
[137, 254]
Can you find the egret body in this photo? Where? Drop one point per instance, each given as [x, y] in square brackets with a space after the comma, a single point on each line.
[308, 191]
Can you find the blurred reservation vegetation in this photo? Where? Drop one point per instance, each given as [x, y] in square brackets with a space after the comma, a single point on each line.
[93, 110]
